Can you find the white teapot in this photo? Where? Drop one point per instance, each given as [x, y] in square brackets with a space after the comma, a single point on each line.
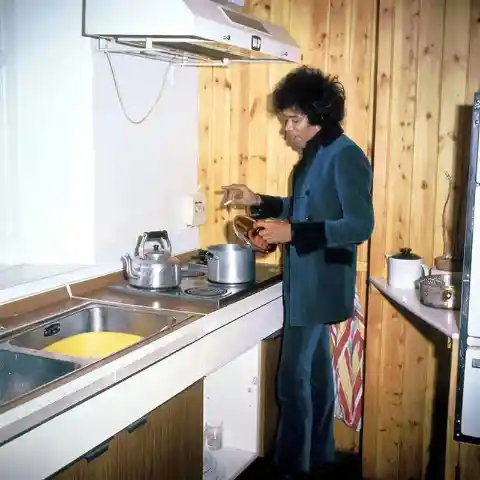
[404, 269]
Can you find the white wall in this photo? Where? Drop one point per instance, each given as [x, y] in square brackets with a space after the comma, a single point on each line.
[88, 181]
[8, 136]
[142, 172]
[55, 133]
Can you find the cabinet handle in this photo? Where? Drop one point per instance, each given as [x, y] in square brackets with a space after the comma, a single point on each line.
[140, 422]
[96, 452]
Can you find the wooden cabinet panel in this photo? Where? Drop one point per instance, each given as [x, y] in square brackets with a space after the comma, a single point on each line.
[170, 445]
[98, 464]
[269, 357]
[167, 443]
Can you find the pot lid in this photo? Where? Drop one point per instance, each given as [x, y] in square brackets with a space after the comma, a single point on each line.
[245, 230]
[406, 254]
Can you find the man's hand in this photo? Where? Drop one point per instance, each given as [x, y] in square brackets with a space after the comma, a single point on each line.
[275, 231]
[256, 239]
[239, 195]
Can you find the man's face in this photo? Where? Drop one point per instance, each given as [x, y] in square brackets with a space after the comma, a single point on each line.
[297, 128]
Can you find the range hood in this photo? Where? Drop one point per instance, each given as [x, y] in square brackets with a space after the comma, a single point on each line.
[182, 31]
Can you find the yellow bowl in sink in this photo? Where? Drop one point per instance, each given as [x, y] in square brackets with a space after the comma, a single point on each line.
[93, 344]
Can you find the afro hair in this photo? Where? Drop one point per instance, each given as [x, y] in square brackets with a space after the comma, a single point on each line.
[321, 97]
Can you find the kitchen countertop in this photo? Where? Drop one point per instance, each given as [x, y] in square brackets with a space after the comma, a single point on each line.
[34, 408]
[445, 321]
[266, 275]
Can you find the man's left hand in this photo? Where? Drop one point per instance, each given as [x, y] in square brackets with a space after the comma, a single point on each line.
[275, 231]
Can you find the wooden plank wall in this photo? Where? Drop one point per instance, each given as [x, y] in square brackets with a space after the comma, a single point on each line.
[410, 68]
[428, 69]
[240, 143]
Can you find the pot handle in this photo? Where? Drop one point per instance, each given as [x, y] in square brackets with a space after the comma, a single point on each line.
[426, 270]
[211, 256]
[447, 295]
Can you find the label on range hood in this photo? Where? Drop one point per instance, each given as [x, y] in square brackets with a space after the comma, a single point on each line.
[256, 43]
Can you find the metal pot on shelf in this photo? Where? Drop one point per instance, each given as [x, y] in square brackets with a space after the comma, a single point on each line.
[155, 269]
[404, 269]
[233, 263]
[441, 291]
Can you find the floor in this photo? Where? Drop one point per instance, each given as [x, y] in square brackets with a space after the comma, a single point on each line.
[348, 468]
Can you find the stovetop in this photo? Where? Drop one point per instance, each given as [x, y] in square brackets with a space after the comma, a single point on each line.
[196, 287]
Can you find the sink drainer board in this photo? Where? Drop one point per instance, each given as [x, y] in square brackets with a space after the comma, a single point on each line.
[26, 366]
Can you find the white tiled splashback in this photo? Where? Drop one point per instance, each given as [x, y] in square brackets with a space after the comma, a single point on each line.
[83, 181]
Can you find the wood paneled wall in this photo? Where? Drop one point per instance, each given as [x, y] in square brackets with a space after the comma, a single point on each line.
[410, 68]
[241, 143]
[428, 70]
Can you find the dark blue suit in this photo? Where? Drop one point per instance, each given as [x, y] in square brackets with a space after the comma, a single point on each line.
[331, 212]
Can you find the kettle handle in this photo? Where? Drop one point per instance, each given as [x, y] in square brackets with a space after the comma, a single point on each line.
[157, 235]
[166, 243]
[161, 235]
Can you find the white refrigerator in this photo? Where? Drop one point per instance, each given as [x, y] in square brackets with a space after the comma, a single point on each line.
[467, 414]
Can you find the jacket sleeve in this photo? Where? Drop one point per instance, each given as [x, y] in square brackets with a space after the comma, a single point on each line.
[271, 207]
[353, 180]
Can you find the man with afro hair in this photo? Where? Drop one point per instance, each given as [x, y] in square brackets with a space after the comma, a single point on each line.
[328, 213]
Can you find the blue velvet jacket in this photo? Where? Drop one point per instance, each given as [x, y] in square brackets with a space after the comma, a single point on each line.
[331, 212]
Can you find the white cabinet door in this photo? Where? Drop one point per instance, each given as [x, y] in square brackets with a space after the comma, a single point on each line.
[470, 419]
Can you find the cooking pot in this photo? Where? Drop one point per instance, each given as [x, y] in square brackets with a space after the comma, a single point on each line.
[231, 264]
[156, 269]
[404, 269]
[441, 291]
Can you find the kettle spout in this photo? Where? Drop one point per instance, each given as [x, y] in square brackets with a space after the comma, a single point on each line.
[129, 270]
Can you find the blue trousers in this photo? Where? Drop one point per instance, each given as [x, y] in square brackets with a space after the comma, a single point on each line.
[305, 392]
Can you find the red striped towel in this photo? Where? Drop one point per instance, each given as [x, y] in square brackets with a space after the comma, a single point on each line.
[347, 361]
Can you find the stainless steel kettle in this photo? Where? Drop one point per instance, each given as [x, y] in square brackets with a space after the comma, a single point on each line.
[156, 269]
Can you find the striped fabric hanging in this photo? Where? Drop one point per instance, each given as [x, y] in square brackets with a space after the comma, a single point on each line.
[347, 340]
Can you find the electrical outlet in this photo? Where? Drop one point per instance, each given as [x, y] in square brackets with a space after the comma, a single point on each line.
[195, 214]
[199, 213]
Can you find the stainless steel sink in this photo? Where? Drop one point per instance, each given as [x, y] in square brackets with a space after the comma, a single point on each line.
[25, 366]
[21, 373]
[96, 318]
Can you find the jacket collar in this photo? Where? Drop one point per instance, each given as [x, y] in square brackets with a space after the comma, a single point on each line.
[326, 136]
